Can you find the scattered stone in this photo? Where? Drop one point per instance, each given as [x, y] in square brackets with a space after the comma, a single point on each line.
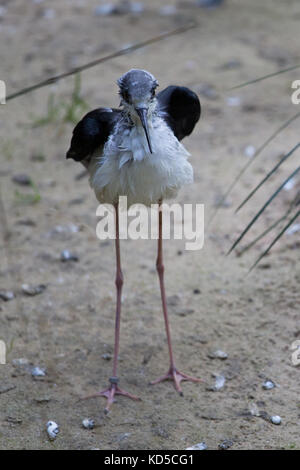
[63, 232]
[6, 295]
[219, 383]
[225, 444]
[197, 291]
[88, 423]
[22, 179]
[38, 371]
[249, 151]
[253, 409]
[33, 290]
[276, 419]
[293, 229]
[200, 446]
[289, 185]
[52, 429]
[218, 354]
[66, 255]
[268, 385]
[106, 356]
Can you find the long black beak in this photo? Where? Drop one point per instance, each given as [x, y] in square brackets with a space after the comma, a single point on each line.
[142, 112]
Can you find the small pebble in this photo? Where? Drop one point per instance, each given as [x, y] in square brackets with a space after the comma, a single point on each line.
[22, 179]
[38, 372]
[293, 229]
[6, 295]
[220, 382]
[276, 419]
[218, 354]
[268, 385]
[88, 423]
[249, 151]
[33, 290]
[200, 446]
[289, 185]
[52, 429]
[225, 444]
[66, 255]
[106, 356]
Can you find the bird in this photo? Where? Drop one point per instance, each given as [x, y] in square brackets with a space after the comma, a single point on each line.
[135, 151]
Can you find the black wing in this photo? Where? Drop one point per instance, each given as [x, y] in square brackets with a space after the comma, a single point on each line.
[92, 132]
[180, 108]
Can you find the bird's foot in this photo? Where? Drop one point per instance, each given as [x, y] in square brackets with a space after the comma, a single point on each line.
[177, 377]
[110, 393]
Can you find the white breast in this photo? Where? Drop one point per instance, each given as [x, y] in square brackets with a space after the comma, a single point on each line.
[126, 167]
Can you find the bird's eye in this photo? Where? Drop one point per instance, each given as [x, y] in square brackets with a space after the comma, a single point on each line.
[152, 92]
[125, 96]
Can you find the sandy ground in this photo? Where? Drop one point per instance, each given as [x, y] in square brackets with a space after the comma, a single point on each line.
[68, 328]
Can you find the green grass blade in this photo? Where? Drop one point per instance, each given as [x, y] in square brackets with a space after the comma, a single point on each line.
[245, 167]
[292, 205]
[264, 77]
[282, 160]
[254, 219]
[275, 240]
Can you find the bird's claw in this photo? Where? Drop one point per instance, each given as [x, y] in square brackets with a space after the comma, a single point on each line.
[110, 393]
[177, 377]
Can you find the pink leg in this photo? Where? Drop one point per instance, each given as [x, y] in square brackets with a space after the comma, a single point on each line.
[113, 388]
[172, 373]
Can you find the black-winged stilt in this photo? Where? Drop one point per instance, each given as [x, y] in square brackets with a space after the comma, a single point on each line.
[135, 152]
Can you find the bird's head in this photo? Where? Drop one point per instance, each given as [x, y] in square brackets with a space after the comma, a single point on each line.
[137, 91]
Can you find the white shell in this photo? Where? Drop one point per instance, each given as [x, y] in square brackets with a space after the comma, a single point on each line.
[276, 419]
[52, 429]
[88, 423]
[268, 385]
[38, 372]
[200, 446]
